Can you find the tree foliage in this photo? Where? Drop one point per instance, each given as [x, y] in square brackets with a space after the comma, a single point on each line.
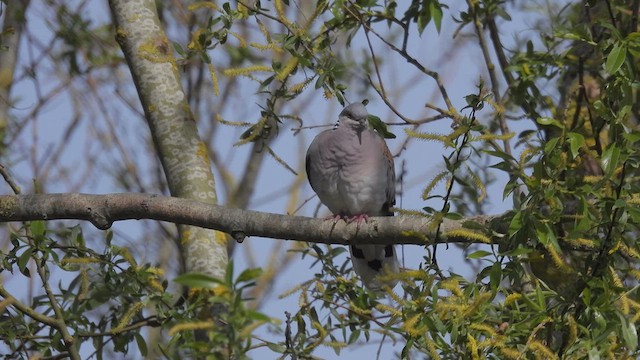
[560, 282]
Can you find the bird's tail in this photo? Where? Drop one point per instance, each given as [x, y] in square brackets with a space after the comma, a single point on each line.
[375, 264]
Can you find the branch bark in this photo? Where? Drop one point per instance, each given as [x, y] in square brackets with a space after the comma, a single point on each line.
[103, 210]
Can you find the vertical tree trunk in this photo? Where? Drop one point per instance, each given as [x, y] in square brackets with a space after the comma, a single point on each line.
[182, 153]
[12, 26]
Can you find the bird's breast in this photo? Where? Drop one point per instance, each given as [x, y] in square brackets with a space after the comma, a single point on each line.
[350, 176]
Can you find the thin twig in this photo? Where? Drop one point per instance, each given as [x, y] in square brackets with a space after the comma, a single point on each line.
[27, 310]
[9, 179]
[296, 130]
[445, 204]
[61, 325]
[151, 321]
[406, 120]
[433, 74]
[495, 86]
[635, 8]
[499, 50]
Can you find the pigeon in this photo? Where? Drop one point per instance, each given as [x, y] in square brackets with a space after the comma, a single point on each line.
[351, 170]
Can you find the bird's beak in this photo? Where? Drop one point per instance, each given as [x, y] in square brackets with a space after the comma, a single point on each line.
[363, 124]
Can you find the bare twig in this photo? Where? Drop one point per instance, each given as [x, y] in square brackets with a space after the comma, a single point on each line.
[498, 48]
[397, 112]
[433, 74]
[9, 179]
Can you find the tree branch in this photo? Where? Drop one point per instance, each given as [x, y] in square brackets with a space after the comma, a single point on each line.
[67, 338]
[26, 309]
[103, 210]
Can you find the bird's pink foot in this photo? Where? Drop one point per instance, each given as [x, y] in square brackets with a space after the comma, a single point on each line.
[358, 219]
[334, 218]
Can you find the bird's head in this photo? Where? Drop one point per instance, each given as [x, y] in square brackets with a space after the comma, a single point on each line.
[354, 116]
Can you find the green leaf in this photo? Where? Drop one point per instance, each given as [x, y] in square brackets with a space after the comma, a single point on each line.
[575, 143]
[615, 59]
[76, 238]
[632, 137]
[436, 13]
[610, 158]
[500, 154]
[256, 315]
[453, 216]
[551, 145]
[197, 280]
[379, 126]
[454, 334]
[548, 121]
[228, 274]
[108, 237]
[547, 236]
[473, 101]
[38, 228]
[503, 165]
[541, 298]
[525, 134]
[519, 251]
[276, 347]
[568, 36]
[355, 334]
[619, 204]
[629, 333]
[249, 274]
[320, 81]
[516, 223]
[23, 260]
[266, 82]
[406, 350]
[479, 254]
[495, 276]
[142, 344]
[178, 48]
[503, 14]
[422, 23]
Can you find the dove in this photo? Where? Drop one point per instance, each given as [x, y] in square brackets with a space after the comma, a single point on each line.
[351, 170]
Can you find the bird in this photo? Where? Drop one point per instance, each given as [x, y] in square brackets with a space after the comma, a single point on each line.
[351, 170]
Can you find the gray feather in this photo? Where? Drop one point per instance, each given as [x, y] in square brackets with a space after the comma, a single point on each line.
[351, 169]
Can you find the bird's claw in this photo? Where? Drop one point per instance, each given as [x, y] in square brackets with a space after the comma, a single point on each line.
[358, 219]
[334, 218]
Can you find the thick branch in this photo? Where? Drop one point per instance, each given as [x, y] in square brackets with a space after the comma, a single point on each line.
[172, 124]
[103, 210]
